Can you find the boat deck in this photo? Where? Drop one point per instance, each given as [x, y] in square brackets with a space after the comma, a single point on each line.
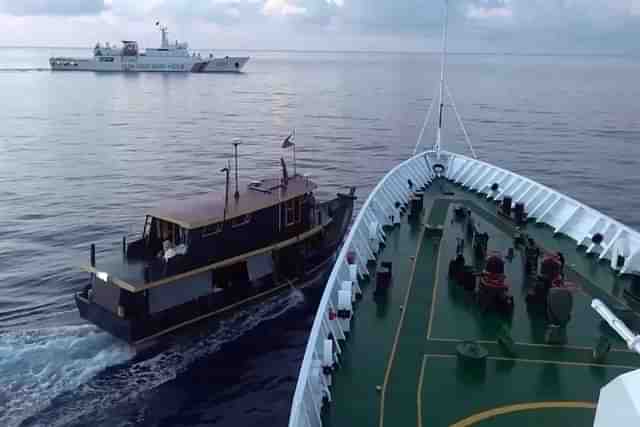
[400, 365]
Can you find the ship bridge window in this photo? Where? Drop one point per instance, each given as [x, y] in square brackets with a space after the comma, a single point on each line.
[158, 230]
[241, 220]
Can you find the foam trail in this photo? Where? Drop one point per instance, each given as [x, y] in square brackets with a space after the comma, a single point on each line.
[37, 365]
[89, 402]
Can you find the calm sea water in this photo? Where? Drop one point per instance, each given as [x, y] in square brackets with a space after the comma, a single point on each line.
[82, 155]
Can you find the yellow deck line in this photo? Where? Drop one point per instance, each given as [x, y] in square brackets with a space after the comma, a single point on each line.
[557, 362]
[519, 407]
[551, 362]
[419, 392]
[398, 328]
[529, 344]
[581, 275]
[435, 284]
[458, 340]
[580, 288]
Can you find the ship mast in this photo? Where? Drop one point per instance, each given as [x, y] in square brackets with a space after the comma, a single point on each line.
[442, 83]
[164, 42]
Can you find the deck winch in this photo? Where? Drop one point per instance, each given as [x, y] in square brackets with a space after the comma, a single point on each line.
[383, 277]
[493, 291]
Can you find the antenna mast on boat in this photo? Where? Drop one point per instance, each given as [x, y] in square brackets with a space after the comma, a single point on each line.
[442, 70]
[164, 42]
[236, 142]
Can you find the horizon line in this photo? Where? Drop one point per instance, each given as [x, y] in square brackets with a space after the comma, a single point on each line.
[360, 51]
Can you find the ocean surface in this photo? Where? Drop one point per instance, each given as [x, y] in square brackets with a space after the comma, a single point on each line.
[83, 155]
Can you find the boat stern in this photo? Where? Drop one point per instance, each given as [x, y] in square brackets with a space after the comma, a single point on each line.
[100, 316]
[227, 64]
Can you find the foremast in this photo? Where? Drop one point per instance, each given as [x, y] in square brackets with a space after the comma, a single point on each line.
[443, 65]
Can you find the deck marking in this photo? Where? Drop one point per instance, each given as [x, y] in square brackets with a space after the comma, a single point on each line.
[542, 361]
[419, 392]
[461, 340]
[435, 282]
[399, 327]
[511, 226]
[558, 362]
[531, 344]
[519, 407]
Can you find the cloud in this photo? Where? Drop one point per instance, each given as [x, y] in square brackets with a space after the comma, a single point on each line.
[487, 25]
[282, 8]
[52, 8]
[489, 9]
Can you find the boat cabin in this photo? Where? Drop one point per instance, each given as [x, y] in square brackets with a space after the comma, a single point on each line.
[208, 228]
[199, 255]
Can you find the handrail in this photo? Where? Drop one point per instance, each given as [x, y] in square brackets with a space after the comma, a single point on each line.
[323, 307]
[620, 244]
[132, 287]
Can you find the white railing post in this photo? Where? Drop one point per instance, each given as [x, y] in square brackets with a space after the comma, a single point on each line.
[377, 209]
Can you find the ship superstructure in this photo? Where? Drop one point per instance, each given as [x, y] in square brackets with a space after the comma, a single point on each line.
[169, 57]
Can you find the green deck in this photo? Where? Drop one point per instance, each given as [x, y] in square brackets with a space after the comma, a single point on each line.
[399, 367]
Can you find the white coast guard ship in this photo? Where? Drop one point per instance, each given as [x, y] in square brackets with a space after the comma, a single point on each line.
[169, 57]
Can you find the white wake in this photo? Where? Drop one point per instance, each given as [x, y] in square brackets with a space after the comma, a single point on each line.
[58, 377]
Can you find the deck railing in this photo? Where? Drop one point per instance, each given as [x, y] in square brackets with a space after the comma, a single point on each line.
[360, 246]
[617, 243]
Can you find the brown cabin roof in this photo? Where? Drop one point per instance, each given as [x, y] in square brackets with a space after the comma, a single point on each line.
[208, 208]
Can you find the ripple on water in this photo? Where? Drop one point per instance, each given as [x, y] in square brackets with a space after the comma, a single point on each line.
[91, 373]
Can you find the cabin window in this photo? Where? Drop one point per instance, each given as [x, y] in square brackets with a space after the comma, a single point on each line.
[147, 227]
[290, 209]
[294, 211]
[297, 210]
[171, 232]
[166, 231]
[106, 59]
[241, 220]
[212, 229]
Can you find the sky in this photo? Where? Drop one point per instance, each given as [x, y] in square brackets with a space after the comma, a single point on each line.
[514, 26]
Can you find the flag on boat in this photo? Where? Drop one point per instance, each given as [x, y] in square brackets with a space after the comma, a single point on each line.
[288, 141]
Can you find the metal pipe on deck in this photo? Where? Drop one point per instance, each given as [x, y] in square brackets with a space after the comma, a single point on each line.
[632, 340]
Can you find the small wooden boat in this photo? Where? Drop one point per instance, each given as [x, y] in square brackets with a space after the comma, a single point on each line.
[200, 257]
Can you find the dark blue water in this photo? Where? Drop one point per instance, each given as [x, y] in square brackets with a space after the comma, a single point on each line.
[82, 155]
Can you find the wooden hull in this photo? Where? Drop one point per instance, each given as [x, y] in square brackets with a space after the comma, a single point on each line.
[145, 330]
[221, 287]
